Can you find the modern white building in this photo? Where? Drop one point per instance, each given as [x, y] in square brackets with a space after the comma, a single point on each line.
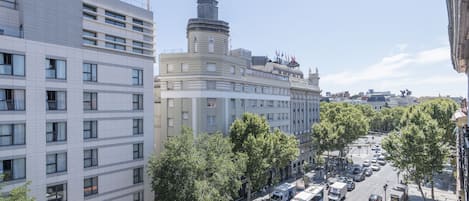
[209, 86]
[76, 99]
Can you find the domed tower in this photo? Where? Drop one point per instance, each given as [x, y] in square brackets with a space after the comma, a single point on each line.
[207, 34]
[313, 78]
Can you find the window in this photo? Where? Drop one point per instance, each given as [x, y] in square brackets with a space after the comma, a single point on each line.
[185, 115]
[233, 103]
[56, 163]
[115, 46]
[211, 85]
[211, 67]
[56, 69]
[90, 158]
[242, 102]
[90, 101]
[11, 64]
[90, 129]
[56, 132]
[211, 45]
[170, 86]
[56, 100]
[137, 77]
[138, 175]
[210, 121]
[12, 134]
[89, 16]
[57, 193]
[12, 99]
[136, 28]
[89, 33]
[138, 151]
[115, 39]
[137, 101]
[171, 103]
[137, 50]
[115, 15]
[90, 72]
[13, 169]
[232, 69]
[211, 102]
[137, 127]
[137, 21]
[185, 67]
[170, 122]
[196, 45]
[115, 22]
[89, 41]
[90, 186]
[138, 44]
[138, 196]
[87, 7]
[170, 67]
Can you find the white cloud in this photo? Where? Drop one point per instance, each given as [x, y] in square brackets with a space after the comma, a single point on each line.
[402, 47]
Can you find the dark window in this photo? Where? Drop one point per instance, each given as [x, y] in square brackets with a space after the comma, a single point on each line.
[89, 33]
[56, 163]
[138, 196]
[115, 22]
[138, 151]
[13, 169]
[138, 175]
[90, 158]
[56, 100]
[11, 64]
[136, 28]
[12, 99]
[56, 69]
[137, 77]
[115, 46]
[90, 129]
[137, 101]
[12, 134]
[115, 39]
[89, 41]
[90, 72]
[56, 132]
[90, 101]
[90, 186]
[138, 126]
[89, 8]
[137, 21]
[89, 16]
[137, 50]
[115, 15]
[57, 193]
[138, 44]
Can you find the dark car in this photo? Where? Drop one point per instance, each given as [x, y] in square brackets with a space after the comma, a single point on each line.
[350, 185]
[359, 177]
[368, 172]
[374, 197]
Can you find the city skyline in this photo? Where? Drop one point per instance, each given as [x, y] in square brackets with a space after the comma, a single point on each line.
[395, 51]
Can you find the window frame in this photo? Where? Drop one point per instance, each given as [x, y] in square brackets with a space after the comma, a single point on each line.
[92, 73]
[55, 164]
[137, 151]
[8, 175]
[137, 127]
[51, 66]
[138, 175]
[54, 94]
[9, 62]
[93, 124]
[93, 158]
[55, 132]
[55, 194]
[92, 103]
[93, 187]
[137, 77]
[11, 135]
[137, 102]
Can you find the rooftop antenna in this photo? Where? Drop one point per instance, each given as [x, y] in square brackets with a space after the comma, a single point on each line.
[148, 4]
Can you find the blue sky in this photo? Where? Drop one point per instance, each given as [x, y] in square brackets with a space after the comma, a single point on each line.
[356, 45]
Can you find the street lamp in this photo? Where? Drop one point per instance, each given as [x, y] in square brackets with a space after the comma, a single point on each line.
[385, 187]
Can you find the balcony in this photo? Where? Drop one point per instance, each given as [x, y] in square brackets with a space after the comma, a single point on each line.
[8, 4]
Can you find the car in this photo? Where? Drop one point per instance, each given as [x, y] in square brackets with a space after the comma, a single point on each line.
[381, 157]
[360, 176]
[374, 197]
[374, 160]
[356, 170]
[350, 185]
[375, 167]
[368, 172]
[382, 162]
[366, 163]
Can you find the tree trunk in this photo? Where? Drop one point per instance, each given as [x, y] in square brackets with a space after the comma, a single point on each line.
[433, 192]
[248, 187]
[421, 190]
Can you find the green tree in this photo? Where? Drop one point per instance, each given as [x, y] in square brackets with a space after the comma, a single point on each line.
[19, 194]
[441, 110]
[263, 149]
[197, 169]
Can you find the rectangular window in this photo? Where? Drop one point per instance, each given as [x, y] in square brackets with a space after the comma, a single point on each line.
[233, 103]
[56, 100]
[137, 127]
[115, 22]
[89, 16]
[137, 28]
[115, 15]
[115, 46]
[210, 121]
[138, 175]
[185, 115]
[137, 44]
[137, 101]
[89, 41]
[211, 85]
[90, 186]
[115, 39]
[137, 21]
[90, 72]
[232, 69]
[56, 132]
[171, 103]
[211, 45]
[90, 101]
[185, 67]
[90, 129]
[57, 193]
[13, 169]
[137, 77]
[56, 69]
[89, 8]
[211, 102]
[89, 33]
[138, 50]
[138, 196]
[11, 64]
[56, 163]
[211, 67]
[170, 122]
[12, 134]
[12, 100]
[138, 151]
[90, 158]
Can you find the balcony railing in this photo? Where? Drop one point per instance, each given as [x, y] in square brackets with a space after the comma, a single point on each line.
[8, 4]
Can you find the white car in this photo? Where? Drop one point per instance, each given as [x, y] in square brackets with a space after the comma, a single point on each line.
[366, 163]
[375, 167]
[381, 157]
[382, 162]
[374, 160]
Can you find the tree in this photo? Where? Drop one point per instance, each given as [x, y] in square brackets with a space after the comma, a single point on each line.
[199, 169]
[18, 193]
[263, 149]
[418, 149]
[441, 110]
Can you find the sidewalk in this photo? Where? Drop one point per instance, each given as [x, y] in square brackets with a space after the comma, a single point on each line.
[440, 195]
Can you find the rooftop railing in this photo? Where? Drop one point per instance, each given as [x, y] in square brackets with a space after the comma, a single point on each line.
[8, 4]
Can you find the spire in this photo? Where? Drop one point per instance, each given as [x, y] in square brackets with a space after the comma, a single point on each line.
[207, 9]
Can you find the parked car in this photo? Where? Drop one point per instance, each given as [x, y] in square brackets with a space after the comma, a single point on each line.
[366, 163]
[374, 197]
[368, 172]
[360, 176]
[381, 157]
[375, 167]
[350, 184]
[374, 160]
[382, 162]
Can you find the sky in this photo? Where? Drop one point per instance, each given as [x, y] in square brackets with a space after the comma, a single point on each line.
[356, 45]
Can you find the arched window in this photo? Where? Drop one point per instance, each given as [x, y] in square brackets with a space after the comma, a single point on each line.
[211, 45]
[196, 45]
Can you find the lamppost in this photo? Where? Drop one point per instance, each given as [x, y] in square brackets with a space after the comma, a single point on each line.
[385, 187]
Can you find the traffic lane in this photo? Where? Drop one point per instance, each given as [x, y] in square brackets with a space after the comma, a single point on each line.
[374, 184]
